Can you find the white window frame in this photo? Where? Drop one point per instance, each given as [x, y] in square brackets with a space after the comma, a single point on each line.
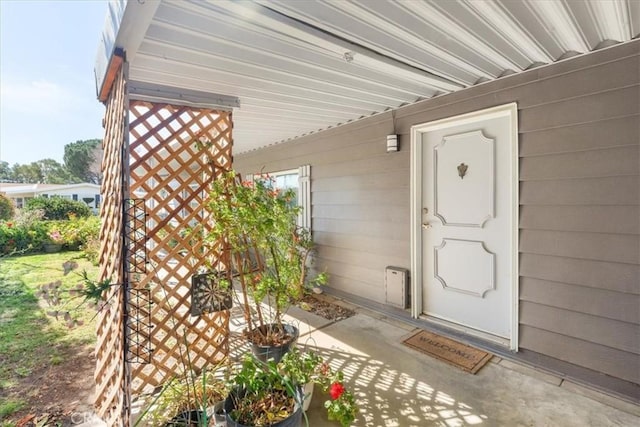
[304, 191]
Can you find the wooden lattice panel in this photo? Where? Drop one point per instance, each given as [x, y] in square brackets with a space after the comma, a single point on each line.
[174, 154]
[110, 374]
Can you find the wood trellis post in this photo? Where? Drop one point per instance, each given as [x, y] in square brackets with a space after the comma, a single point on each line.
[158, 163]
[110, 375]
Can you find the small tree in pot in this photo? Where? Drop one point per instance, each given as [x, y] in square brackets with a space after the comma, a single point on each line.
[265, 249]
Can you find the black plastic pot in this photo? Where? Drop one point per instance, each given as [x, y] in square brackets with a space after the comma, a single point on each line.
[294, 420]
[187, 419]
[276, 353]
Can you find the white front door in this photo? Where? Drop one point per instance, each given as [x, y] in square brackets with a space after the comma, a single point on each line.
[465, 190]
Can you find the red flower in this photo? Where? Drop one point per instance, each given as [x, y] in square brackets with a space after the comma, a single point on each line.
[336, 390]
[9, 224]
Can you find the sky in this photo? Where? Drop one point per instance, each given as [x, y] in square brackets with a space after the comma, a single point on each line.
[47, 89]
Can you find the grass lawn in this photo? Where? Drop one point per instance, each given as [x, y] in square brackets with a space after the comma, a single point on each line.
[30, 340]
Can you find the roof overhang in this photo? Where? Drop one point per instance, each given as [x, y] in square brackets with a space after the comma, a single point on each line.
[297, 67]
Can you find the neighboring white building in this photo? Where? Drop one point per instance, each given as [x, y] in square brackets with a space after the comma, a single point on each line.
[20, 193]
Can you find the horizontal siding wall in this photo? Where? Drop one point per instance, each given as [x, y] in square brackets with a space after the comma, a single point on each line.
[360, 193]
[580, 218]
[579, 131]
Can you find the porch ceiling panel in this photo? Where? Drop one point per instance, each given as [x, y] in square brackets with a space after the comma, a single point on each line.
[302, 66]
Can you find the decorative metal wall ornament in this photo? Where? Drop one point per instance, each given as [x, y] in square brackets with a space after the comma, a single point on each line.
[210, 292]
[136, 235]
[138, 300]
[139, 326]
[462, 170]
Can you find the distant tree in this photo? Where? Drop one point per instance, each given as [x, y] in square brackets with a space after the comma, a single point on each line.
[6, 208]
[30, 173]
[53, 172]
[5, 172]
[58, 207]
[45, 171]
[83, 160]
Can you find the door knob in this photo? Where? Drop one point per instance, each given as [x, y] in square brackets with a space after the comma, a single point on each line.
[426, 225]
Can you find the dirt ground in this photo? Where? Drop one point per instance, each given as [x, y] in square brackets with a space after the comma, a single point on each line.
[62, 395]
[326, 309]
[58, 395]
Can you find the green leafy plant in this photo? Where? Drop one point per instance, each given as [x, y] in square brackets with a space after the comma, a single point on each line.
[269, 252]
[77, 231]
[261, 394]
[58, 207]
[6, 208]
[61, 299]
[342, 406]
[91, 249]
[29, 233]
[304, 367]
[185, 393]
[16, 237]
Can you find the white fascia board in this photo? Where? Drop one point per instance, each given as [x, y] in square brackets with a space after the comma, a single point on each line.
[125, 26]
[150, 92]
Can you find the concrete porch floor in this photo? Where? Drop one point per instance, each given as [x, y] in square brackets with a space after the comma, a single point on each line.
[398, 386]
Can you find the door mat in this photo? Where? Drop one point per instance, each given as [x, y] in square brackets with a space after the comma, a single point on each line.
[463, 356]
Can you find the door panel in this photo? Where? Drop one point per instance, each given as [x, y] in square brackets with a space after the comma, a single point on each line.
[478, 275]
[468, 222]
[453, 178]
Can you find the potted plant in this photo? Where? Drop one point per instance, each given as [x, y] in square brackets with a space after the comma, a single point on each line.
[54, 244]
[304, 369]
[187, 400]
[267, 252]
[308, 369]
[261, 396]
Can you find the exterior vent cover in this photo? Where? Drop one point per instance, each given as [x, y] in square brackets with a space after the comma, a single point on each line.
[397, 286]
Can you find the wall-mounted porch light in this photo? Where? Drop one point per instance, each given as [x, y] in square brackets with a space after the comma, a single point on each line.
[392, 143]
[392, 139]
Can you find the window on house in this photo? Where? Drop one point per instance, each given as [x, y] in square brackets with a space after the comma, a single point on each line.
[297, 180]
[74, 197]
[19, 202]
[97, 200]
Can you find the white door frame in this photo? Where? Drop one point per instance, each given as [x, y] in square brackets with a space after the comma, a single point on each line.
[510, 110]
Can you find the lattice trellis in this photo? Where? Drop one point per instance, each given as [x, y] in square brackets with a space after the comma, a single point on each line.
[173, 153]
[110, 375]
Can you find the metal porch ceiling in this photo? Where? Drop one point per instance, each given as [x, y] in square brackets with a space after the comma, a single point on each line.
[298, 67]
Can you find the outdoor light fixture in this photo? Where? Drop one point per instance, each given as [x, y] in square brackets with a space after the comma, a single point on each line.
[392, 139]
[392, 143]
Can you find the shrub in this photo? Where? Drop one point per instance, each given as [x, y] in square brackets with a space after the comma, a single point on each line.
[25, 218]
[6, 208]
[91, 250]
[20, 238]
[57, 208]
[77, 231]
[30, 234]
